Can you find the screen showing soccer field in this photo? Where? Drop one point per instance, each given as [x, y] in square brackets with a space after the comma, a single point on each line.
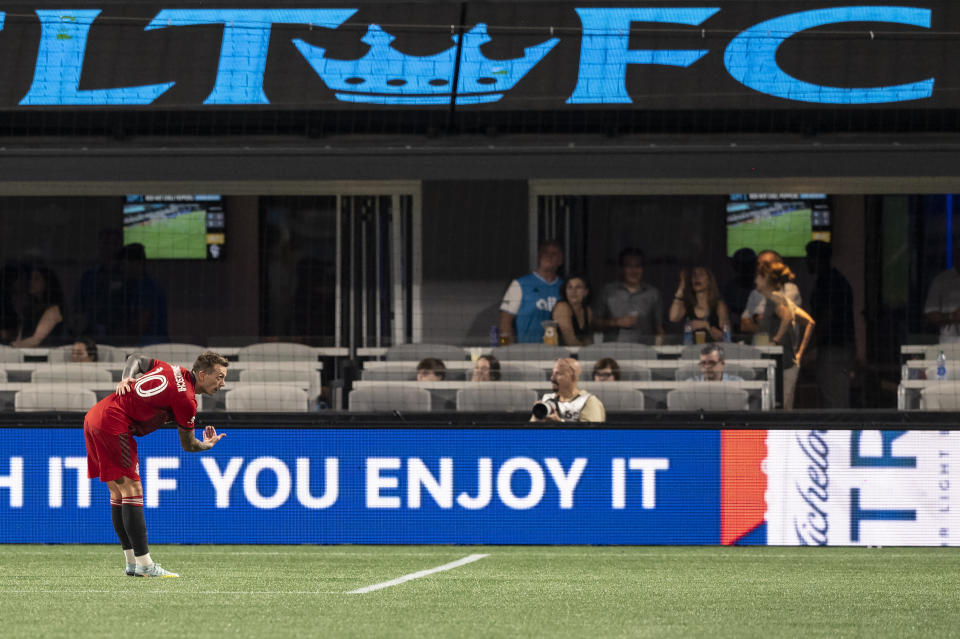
[175, 226]
[782, 222]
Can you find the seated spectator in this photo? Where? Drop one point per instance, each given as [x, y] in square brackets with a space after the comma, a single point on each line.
[606, 370]
[84, 350]
[431, 369]
[486, 369]
[572, 315]
[630, 310]
[711, 366]
[567, 402]
[697, 303]
[530, 298]
[41, 322]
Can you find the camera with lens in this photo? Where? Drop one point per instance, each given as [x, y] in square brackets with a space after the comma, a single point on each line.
[543, 408]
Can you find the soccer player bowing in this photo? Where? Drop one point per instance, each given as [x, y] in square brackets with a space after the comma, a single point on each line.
[151, 394]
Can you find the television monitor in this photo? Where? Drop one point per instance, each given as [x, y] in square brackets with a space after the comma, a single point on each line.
[783, 222]
[175, 226]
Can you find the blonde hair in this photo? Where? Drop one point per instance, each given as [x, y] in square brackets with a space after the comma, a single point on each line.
[776, 272]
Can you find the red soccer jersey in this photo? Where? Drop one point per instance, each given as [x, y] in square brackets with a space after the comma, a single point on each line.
[163, 394]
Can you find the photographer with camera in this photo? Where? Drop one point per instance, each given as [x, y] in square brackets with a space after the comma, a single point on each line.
[567, 403]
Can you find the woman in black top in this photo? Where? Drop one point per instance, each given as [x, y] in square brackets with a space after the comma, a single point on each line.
[42, 316]
[572, 315]
[697, 303]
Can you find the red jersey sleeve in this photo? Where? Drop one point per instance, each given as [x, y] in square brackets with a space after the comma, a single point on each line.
[184, 403]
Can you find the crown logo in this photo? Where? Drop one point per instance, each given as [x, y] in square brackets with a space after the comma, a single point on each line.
[386, 76]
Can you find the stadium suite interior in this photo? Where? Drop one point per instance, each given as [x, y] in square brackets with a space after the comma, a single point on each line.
[463, 243]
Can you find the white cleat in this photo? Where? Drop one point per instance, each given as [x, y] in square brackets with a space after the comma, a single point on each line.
[154, 570]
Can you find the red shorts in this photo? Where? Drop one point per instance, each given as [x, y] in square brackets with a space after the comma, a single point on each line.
[109, 456]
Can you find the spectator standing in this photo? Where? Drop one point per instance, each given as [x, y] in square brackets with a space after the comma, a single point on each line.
[712, 362]
[568, 402]
[697, 303]
[9, 319]
[942, 307]
[757, 304]
[41, 321]
[90, 313]
[573, 316]
[138, 307]
[630, 310]
[782, 324]
[831, 306]
[736, 291]
[530, 299]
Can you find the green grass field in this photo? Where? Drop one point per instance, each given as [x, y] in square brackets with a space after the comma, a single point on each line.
[301, 591]
[788, 234]
[182, 237]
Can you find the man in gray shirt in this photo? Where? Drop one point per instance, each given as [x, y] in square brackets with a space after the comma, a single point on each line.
[630, 310]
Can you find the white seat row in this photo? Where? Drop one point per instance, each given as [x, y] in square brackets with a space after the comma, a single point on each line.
[257, 396]
[370, 396]
[632, 370]
[178, 353]
[591, 353]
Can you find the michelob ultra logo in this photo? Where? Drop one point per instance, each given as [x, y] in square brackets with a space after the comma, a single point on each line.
[861, 487]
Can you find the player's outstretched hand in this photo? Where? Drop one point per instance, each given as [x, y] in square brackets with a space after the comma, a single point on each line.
[124, 385]
[210, 435]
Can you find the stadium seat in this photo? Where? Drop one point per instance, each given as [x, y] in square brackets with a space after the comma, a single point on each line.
[731, 350]
[941, 396]
[707, 396]
[183, 354]
[381, 375]
[299, 374]
[496, 398]
[266, 397]
[69, 372]
[687, 372]
[277, 352]
[523, 372]
[616, 398]
[10, 355]
[46, 397]
[105, 353]
[390, 398]
[616, 350]
[951, 350]
[628, 373]
[539, 352]
[416, 352]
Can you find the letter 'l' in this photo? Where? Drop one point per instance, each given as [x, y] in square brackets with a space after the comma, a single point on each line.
[56, 78]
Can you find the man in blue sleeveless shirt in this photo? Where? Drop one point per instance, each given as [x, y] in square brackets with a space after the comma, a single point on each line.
[530, 299]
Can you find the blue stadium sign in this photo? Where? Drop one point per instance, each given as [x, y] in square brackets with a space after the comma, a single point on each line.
[509, 55]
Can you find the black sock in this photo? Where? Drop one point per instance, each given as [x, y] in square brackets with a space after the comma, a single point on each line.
[135, 524]
[116, 514]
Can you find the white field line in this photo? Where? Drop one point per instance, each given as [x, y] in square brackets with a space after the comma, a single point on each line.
[416, 575]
